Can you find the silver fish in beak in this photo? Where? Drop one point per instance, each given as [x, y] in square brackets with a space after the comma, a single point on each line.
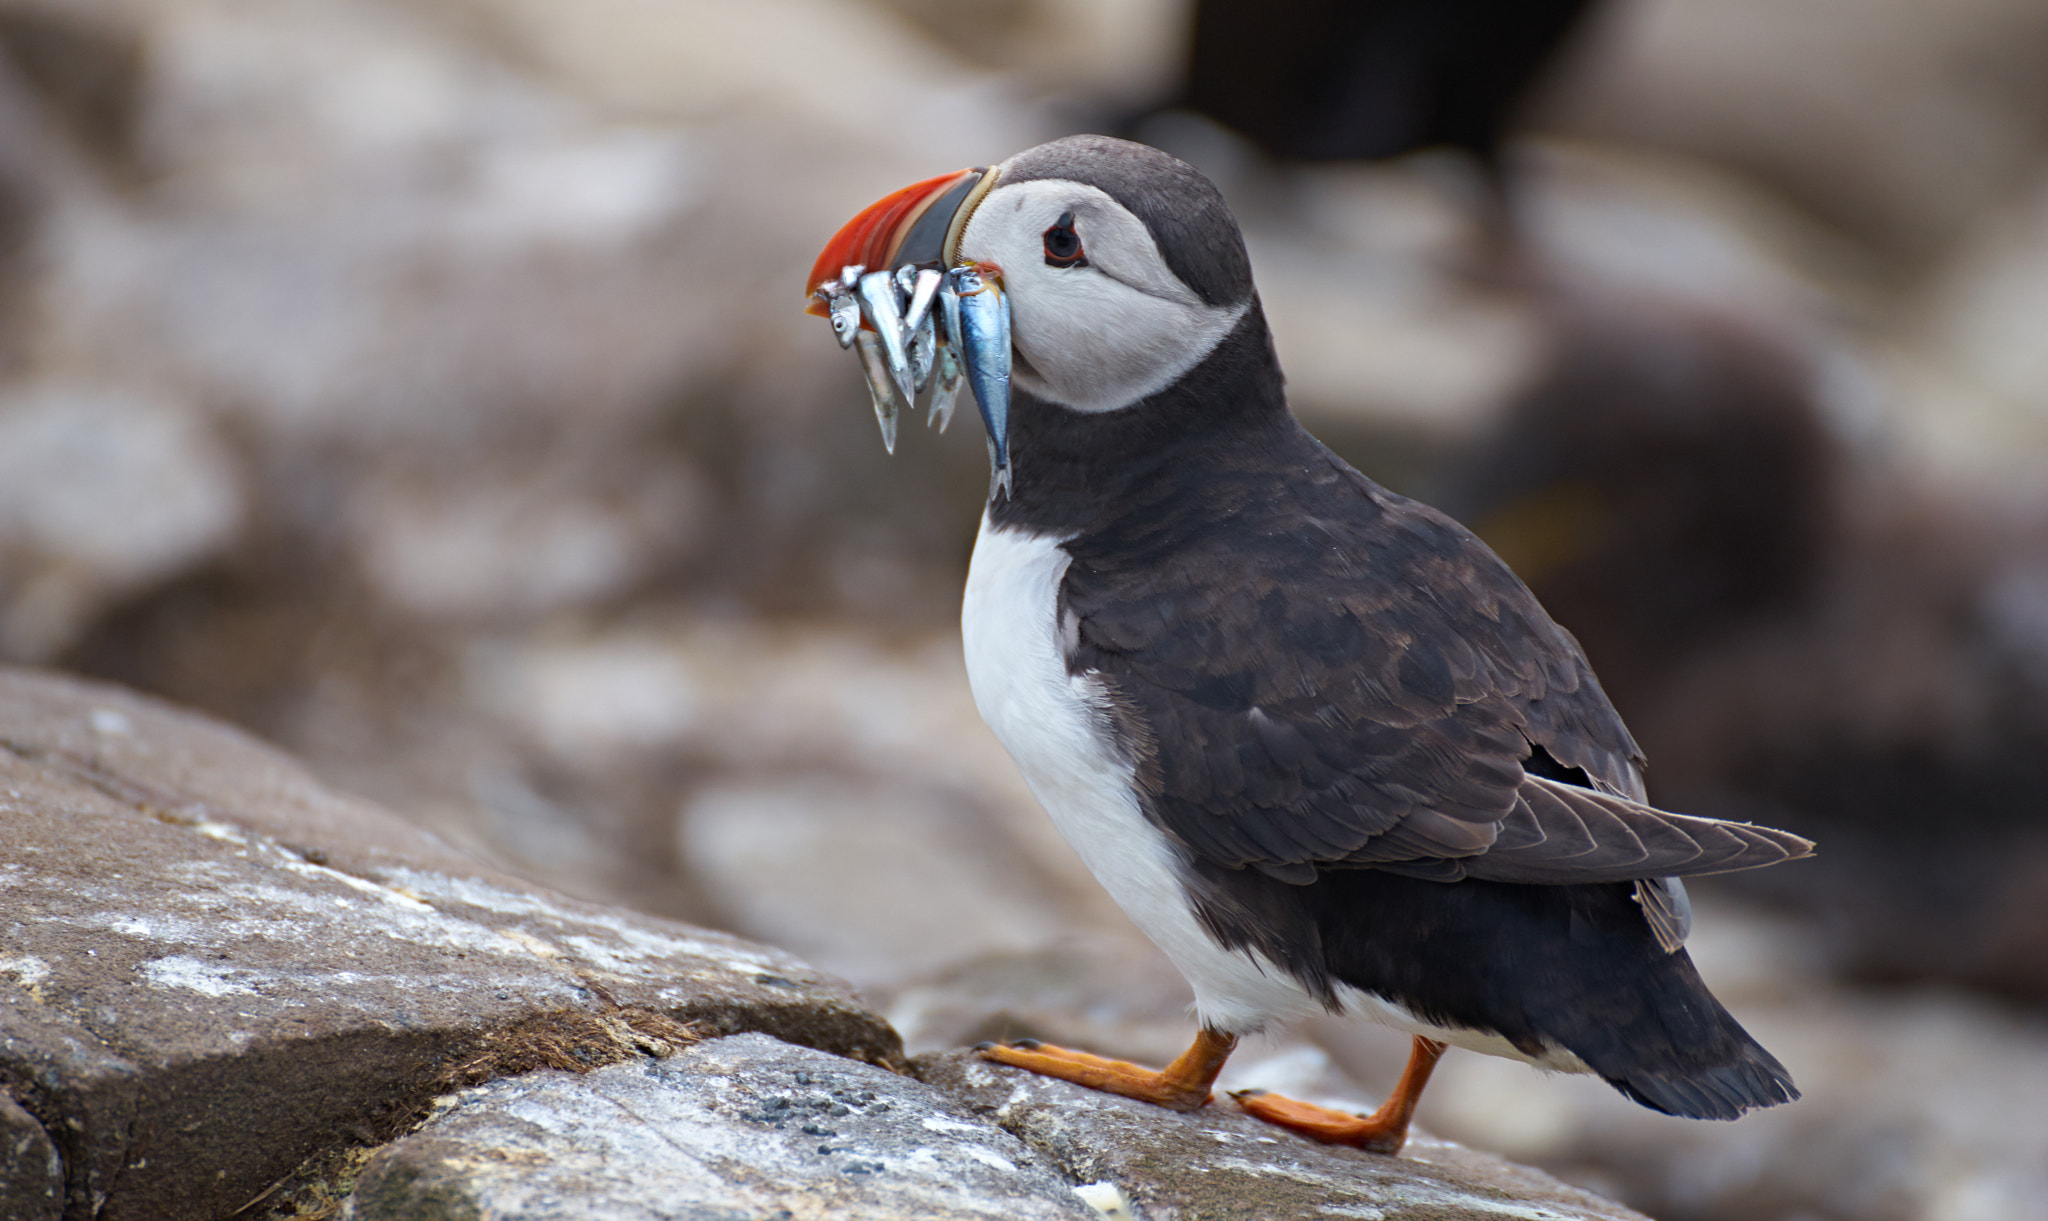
[949, 374]
[841, 305]
[878, 304]
[924, 291]
[874, 363]
[924, 342]
[923, 323]
[985, 343]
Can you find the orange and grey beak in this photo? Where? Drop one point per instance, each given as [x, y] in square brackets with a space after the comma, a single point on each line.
[890, 283]
[918, 225]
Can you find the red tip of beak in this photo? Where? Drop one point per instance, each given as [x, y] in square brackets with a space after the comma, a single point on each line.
[872, 238]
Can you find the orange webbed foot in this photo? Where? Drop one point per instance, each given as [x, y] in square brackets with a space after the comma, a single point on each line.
[1183, 1085]
[1383, 1131]
[1332, 1127]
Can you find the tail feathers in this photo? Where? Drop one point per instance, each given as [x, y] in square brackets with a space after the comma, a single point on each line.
[1751, 1080]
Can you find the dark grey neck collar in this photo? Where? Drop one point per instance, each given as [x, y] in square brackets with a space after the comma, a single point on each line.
[1072, 469]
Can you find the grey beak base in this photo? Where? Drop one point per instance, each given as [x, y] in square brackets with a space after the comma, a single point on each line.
[925, 244]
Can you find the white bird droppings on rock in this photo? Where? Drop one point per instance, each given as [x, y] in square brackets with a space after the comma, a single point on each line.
[986, 1158]
[205, 978]
[29, 970]
[932, 1123]
[108, 721]
[1107, 1199]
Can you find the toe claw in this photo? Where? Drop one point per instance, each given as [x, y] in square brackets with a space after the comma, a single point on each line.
[1026, 1044]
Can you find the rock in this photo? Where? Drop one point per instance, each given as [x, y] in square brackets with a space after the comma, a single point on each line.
[874, 881]
[1897, 121]
[625, 53]
[520, 547]
[747, 1126]
[223, 986]
[1107, 54]
[838, 736]
[199, 942]
[31, 1175]
[1221, 1163]
[738, 1127]
[1977, 322]
[104, 491]
[87, 77]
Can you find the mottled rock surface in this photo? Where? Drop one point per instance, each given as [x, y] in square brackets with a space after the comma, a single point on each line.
[197, 943]
[1220, 1164]
[226, 990]
[31, 1177]
[749, 1127]
[738, 1127]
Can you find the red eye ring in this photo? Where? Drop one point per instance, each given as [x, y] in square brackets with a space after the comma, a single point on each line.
[1063, 245]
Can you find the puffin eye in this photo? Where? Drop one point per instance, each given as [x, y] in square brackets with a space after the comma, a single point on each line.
[1063, 245]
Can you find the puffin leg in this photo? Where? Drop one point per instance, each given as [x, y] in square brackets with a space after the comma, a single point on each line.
[1383, 1131]
[1182, 1085]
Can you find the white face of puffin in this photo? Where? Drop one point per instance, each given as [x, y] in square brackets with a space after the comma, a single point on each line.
[1104, 327]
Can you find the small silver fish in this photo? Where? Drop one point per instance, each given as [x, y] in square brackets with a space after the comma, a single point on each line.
[949, 313]
[985, 343]
[923, 291]
[845, 312]
[884, 312]
[923, 342]
[874, 362]
[999, 469]
[946, 379]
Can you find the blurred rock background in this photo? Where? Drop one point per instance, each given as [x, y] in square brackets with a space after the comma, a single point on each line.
[424, 386]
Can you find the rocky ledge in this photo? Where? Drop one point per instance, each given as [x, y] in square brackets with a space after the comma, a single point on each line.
[228, 991]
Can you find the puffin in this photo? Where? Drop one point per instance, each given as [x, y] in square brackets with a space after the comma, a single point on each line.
[1317, 741]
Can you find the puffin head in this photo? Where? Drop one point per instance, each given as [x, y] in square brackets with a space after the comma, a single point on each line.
[1122, 266]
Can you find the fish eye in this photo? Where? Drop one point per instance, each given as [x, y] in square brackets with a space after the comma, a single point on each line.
[1063, 245]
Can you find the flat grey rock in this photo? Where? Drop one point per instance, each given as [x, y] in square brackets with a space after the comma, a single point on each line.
[743, 1127]
[1219, 1164]
[212, 968]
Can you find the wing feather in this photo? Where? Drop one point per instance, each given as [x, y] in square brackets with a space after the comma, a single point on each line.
[1590, 836]
[1317, 674]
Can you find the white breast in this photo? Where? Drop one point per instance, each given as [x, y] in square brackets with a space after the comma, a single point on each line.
[1052, 725]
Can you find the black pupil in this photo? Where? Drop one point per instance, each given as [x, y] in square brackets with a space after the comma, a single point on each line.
[1061, 242]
